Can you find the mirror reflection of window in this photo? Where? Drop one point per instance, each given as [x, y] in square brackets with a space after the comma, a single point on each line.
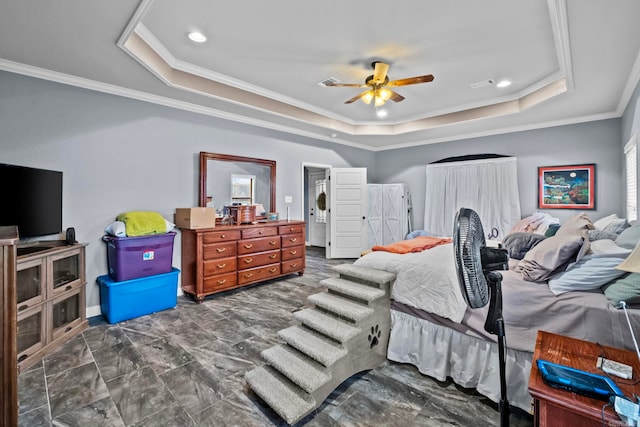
[243, 189]
[321, 201]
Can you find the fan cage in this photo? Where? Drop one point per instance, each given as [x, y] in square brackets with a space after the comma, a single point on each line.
[468, 241]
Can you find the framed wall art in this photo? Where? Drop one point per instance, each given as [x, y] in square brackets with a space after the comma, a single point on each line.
[567, 187]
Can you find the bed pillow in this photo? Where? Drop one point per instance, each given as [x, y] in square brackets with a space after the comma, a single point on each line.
[629, 238]
[591, 272]
[625, 288]
[576, 224]
[603, 222]
[550, 256]
[518, 244]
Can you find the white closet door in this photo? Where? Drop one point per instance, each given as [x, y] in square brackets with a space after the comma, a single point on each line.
[347, 192]
[394, 203]
[374, 215]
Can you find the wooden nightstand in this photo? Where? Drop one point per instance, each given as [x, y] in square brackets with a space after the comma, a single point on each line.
[555, 407]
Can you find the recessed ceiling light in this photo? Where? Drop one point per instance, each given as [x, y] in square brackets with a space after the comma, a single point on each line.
[381, 113]
[503, 83]
[197, 37]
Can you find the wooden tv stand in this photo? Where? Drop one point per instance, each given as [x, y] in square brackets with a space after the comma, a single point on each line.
[231, 256]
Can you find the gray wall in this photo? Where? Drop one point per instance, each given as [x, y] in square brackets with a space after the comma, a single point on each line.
[118, 155]
[593, 142]
[631, 117]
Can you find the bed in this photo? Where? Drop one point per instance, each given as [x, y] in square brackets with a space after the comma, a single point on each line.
[433, 329]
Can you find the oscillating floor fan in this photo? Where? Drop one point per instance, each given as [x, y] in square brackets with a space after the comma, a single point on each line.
[476, 265]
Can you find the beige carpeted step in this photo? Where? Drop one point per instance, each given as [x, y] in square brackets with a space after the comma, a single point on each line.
[341, 306]
[326, 324]
[352, 289]
[319, 348]
[300, 369]
[365, 274]
[287, 399]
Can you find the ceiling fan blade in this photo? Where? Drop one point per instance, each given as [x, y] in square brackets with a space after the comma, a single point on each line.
[396, 97]
[380, 72]
[355, 98]
[411, 81]
[345, 85]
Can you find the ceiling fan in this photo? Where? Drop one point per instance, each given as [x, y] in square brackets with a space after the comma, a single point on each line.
[378, 85]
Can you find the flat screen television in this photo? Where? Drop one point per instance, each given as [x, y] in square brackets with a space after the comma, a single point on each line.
[31, 199]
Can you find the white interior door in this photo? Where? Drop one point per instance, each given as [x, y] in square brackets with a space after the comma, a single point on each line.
[347, 195]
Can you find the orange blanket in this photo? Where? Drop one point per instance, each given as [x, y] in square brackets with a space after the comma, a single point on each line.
[418, 244]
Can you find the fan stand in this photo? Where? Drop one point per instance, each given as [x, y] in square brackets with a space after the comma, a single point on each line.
[494, 324]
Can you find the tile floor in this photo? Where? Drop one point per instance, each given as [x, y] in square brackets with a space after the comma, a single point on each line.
[185, 367]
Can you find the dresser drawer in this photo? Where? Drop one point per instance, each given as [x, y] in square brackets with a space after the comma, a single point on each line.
[292, 253]
[251, 233]
[219, 266]
[221, 282]
[257, 260]
[291, 229]
[220, 236]
[292, 240]
[293, 265]
[257, 274]
[219, 250]
[258, 245]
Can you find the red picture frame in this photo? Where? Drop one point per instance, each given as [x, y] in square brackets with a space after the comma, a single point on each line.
[567, 187]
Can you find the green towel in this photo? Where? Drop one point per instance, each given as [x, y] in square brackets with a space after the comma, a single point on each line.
[140, 223]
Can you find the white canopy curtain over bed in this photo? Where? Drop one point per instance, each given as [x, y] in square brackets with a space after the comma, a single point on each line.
[488, 186]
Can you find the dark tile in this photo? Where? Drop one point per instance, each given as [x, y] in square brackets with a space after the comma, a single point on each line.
[188, 334]
[195, 387]
[173, 416]
[104, 336]
[163, 355]
[361, 411]
[221, 359]
[139, 394]
[71, 354]
[100, 413]
[38, 417]
[75, 388]
[32, 390]
[142, 330]
[235, 411]
[118, 360]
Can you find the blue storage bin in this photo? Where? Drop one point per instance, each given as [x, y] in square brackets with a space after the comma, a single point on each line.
[134, 298]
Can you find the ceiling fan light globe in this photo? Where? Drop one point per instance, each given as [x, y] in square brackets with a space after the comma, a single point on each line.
[368, 97]
[379, 101]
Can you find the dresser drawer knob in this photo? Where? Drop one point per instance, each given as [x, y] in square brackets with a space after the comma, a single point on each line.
[248, 260]
[248, 275]
[273, 256]
[221, 249]
[221, 265]
[23, 307]
[272, 270]
[260, 232]
[68, 288]
[293, 252]
[221, 281]
[293, 239]
[273, 242]
[294, 265]
[222, 236]
[249, 246]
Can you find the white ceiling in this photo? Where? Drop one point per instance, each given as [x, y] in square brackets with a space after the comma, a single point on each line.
[569, 60]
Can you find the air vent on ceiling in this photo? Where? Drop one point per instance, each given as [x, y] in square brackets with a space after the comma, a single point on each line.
[328, 81]
[482, 83]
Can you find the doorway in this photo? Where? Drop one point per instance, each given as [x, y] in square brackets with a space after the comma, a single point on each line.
[315, 203]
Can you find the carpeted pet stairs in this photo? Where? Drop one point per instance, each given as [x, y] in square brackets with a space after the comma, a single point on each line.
[345, 333]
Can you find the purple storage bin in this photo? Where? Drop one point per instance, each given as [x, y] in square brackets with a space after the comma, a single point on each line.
[133, 257]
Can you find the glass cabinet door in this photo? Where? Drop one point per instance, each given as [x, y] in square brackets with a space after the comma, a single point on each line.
[30, 332]
[66, 313]
[65, 271]
[29, 285]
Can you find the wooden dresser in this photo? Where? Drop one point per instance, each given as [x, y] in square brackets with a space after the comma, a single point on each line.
[231, 256]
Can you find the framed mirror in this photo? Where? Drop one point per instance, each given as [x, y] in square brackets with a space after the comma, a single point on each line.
[220, 174]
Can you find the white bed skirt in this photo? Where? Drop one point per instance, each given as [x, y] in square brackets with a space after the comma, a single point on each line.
[471, 362]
